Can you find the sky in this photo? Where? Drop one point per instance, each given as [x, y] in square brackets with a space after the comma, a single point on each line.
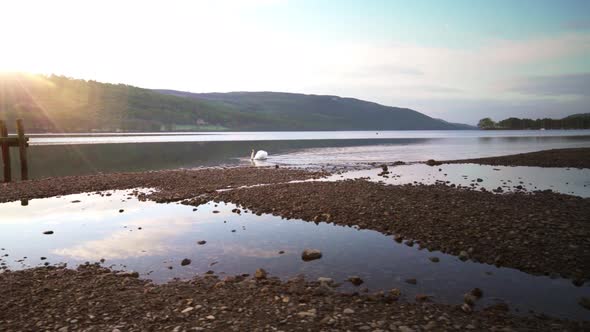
[458, 60]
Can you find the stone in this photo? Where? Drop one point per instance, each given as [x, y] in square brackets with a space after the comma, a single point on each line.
[202, 242]
[476, 292]
[434, 259]
[210, 317]
[584, 302]
[260, 274]
[187, 310]
[48, 232]
[469, 299]
[404, 328]
[422, 298]
[355, 280]
[185, 262]
[311, 254]
[466, 308]
[412, 281]
[348, 311]
[395, 293]
[325, 281]
[463, 255]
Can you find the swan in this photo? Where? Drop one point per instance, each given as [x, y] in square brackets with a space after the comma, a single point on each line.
[260, 155]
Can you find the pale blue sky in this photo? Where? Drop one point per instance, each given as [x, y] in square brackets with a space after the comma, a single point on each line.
[457, 60]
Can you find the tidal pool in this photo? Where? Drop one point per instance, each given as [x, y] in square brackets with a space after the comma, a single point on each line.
[153, 239]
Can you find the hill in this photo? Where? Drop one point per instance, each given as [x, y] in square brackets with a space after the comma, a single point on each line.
[291, 111]
[61, 104]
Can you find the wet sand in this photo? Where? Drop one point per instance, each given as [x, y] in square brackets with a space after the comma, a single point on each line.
[92, 298]
[575, 158]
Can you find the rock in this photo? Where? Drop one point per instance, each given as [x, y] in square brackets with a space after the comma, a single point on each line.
[434, 259]
[325, 281]
[185, 262]
[355, 280]
[412, 281]
[311, 254]
[395, 293]
[281, 252]
[202, 242]
[463, 255]
[187, 310]
[466, 308]
[48, 232]
[476, 292]
[210, 317]
[422, 298]
[584, 302]
[260, 274]
[479, 180]
[348, 311]
[469, 299]
[121, 211]
[404, 328]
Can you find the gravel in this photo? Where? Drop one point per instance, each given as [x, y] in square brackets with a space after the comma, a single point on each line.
[93, 298]
[540, 233]
[575, 158]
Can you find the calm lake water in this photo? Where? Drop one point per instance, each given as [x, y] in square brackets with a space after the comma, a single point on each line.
[59, 155]
[153, 239]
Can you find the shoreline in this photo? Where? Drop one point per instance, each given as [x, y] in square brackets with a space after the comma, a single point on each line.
[570, 158]
[93, 298]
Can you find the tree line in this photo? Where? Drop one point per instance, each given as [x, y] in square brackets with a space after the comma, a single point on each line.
[578, 121]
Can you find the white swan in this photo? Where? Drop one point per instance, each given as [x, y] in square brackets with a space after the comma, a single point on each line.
[260, 155]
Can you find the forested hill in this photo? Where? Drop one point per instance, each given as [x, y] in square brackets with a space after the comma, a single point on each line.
[291, 111]
[61, 104]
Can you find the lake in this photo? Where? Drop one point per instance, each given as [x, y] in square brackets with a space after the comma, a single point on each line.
[78, 154]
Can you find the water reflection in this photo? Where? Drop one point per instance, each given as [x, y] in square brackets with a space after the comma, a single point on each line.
[292, 149]
[153, 238]
[569, 181]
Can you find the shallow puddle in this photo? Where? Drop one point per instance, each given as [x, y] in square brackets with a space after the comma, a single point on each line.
[570, 181]
[153, 239]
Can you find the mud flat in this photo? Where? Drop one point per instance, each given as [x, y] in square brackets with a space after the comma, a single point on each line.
[93, 298]
[576, 158]
[170, 186]
[541, 233]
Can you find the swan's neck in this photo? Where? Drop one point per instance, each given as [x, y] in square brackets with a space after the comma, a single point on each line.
[252, 156]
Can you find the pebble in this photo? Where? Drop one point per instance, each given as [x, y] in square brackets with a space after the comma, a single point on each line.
[48, 232]
[185, 262]
[434, 259]
[187, 310]
[412, 281]
[311, 254]
[202, 242]
[463, 255]
[355, 280]
[260, 274]
[348, 311]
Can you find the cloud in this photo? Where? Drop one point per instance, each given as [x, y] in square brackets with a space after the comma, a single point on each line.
[556, 85]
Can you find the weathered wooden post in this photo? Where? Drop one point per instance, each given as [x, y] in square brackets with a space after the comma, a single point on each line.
[5, 151]
[22, 150]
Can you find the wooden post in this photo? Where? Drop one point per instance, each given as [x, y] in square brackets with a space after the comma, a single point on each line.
[5, 152]
[22, 149]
